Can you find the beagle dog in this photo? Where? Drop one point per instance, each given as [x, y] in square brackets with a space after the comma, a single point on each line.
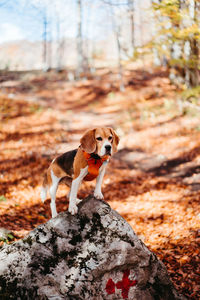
[85, 163]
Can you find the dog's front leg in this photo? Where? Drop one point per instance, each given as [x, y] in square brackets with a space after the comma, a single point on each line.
[97, 192]
[74, 191]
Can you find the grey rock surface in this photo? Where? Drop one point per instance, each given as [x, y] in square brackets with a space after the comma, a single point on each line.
[92, 255]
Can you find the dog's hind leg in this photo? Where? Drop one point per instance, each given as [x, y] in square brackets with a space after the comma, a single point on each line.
[43, 192]
[52, 192]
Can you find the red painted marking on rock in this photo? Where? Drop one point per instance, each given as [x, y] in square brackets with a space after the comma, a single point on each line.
[110, 287]
[123, 285]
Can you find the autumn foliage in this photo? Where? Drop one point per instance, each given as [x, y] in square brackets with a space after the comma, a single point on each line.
[153, 181]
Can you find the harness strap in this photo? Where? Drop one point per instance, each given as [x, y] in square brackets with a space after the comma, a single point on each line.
[94, 165]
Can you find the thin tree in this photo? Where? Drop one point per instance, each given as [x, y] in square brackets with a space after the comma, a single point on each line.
[79, 40]
[193, 72]
[131, 16]
[116, 21]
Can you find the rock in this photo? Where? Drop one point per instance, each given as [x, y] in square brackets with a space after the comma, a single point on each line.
[92, 255]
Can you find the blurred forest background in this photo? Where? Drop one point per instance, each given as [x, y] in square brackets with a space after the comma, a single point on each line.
[84, 35]
[68, 65]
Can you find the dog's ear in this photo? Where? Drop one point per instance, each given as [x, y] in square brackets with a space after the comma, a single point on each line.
[115, 140]
[88, 142]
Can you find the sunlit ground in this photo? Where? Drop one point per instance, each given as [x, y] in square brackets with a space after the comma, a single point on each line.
[153, 181]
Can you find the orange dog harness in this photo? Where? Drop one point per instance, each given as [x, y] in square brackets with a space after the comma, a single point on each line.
[94, 165]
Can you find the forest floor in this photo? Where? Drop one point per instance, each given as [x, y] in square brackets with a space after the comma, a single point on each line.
[154, 179]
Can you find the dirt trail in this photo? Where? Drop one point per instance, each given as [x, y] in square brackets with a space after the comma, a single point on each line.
[153, 181]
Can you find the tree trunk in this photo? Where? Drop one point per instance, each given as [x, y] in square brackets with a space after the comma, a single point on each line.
[49, 53]
[80, 59]
[117, 32]
[120, 68]
[45, 42]
[193, 72]
[58, 54]
[92, 255]
[131, 12]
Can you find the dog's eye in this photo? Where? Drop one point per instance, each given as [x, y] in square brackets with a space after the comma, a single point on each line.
[110, 138]
[99, 138]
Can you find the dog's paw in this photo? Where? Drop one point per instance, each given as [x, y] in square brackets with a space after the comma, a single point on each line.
[54, 214]
[73, 209]
[78, 200]
[98, 195]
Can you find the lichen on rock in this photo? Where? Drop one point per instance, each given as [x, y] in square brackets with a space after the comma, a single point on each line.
[92, 255]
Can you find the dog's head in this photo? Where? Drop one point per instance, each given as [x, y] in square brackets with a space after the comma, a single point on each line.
[101, 141]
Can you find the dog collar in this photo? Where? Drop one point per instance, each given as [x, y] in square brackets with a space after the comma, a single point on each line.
[94, 162]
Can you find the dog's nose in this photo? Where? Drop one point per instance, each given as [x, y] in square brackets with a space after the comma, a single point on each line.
[108, 148]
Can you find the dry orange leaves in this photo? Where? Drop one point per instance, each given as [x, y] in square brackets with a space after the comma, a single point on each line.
[153, 181]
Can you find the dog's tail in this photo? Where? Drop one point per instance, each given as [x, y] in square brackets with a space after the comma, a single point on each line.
[43, 193]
